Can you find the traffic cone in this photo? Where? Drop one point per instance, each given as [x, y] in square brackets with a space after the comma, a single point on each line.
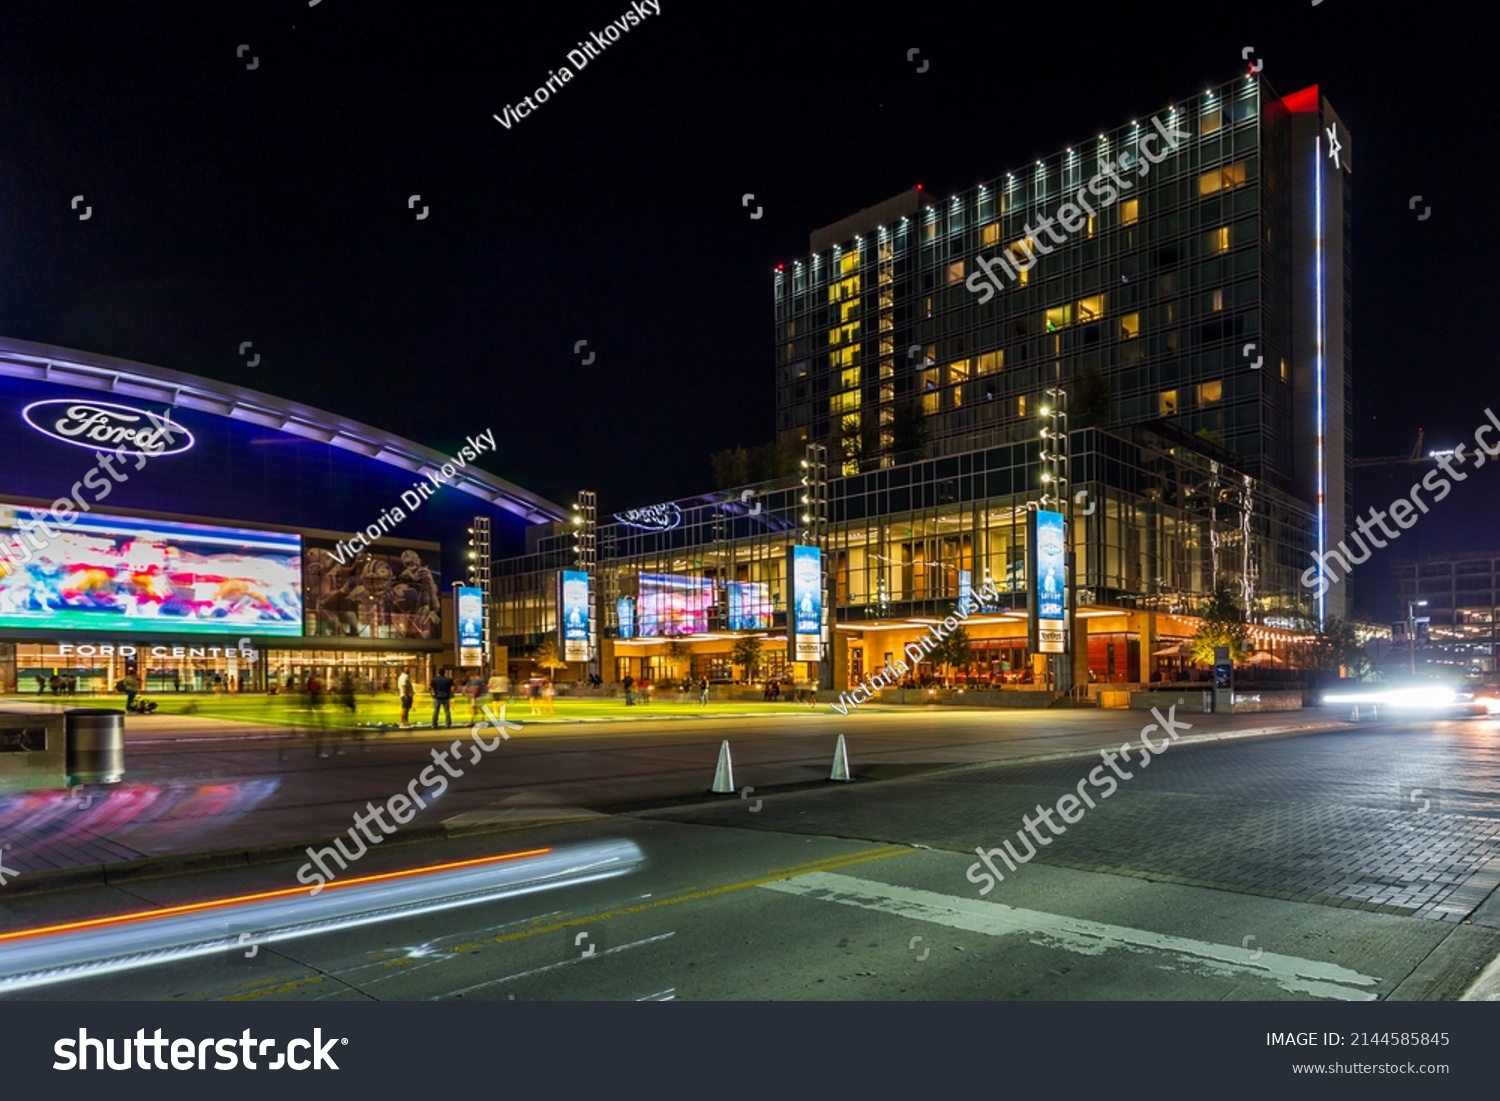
[724, 774]
[840, 762]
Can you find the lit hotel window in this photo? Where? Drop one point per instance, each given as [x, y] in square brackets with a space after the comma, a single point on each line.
[1090, 230]
[959, 371]
[1130, 212]
[1167, 403]
[1219, 239]
[1283, 371]
[1210, 393]
[1021, 406]
[1210, 121]
[1091, 309]
[1218, 300]
[1059, 316]
[990, 362]
[955, 272]
[1130, 326]
[990, 234]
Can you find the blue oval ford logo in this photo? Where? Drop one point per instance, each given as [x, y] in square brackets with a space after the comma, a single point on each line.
[103, 425]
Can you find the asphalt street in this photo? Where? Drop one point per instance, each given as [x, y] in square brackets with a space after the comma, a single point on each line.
[1354, 864]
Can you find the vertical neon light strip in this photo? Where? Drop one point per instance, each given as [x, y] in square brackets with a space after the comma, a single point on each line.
[1318, 369]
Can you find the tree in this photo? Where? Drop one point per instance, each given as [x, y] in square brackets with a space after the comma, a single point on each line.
[1333, 648]
[731, 467]
[1223, 625]
[953, 652]
[677, 652]
[548, 657]
[746, 652]
[1089, 400]
[908, 431]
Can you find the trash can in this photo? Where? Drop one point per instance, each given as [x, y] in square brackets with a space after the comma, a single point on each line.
[95, 745]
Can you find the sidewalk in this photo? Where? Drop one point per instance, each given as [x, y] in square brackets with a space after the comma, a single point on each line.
[209, 792]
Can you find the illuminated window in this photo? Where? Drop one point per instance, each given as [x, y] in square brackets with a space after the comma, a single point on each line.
[990, 362]
[1059, 316]
[1021, 406]
[1218, 301]
[848, 262]
[842, 403]
[958, 396]
[1090, 229]
[1218, 240]
[1167, 403]
[848, 308]
[955, 272]
[990, 234]
[930, 403]
[850, 378]
[1283, 370]
[1210, 121]
[1210, 393]
[1232, 175]
[959, 371]
[930, 379]
[1130, 212]
[1091, 309]
[1130, 326]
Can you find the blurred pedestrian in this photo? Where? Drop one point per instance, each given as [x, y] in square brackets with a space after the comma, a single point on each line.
[703, 691]
[403, 686]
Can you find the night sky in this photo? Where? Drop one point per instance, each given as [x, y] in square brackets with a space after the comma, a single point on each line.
[271, 204]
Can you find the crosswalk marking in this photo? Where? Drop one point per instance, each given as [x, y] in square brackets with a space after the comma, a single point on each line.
[1090, 938]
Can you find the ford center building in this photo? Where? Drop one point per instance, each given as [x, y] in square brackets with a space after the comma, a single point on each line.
[194, 533]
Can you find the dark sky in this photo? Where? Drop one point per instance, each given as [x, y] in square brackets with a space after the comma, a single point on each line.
[271, 204]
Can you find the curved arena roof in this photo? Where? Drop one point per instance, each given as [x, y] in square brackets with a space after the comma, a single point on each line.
[85, 370]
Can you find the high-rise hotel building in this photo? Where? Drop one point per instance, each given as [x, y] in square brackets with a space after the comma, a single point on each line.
[1209, 291]
[1194, 310]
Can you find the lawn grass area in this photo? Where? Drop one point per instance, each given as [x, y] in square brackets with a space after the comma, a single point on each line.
[292, 710]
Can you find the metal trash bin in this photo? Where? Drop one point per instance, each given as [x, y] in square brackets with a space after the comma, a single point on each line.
[95, 745]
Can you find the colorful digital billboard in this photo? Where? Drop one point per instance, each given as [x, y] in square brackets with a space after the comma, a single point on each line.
[1049, 581]
[469, 614]
[115, 573]
[669, 604]
[575, 615]
[625, 614]
[805, 632]
[749, 606]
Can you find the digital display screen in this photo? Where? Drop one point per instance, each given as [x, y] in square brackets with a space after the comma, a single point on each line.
[1051, 566]
[749, 606]
[115, 573]
[625, 613]
[670, 604]
[806, 613]
[380, 593]
[575, 615]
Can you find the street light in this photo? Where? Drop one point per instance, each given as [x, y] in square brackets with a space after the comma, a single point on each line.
[1411, 629]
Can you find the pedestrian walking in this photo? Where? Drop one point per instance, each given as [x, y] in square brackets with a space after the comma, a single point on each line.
[442, 697]
[476, 690]
[627, 683]
[703, 691]
[547, 694]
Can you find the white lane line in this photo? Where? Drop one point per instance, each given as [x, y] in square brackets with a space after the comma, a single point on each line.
[667, 995]
[553, 966]
[1090, 938]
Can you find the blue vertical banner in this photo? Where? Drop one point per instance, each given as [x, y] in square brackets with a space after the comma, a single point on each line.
[469, 615]
[625, 614]
[574, 615]
[805, 615]
[1049, 582]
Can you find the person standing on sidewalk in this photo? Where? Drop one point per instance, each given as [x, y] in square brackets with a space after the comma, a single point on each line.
[442, 697]
[703, 691]
[404, 689]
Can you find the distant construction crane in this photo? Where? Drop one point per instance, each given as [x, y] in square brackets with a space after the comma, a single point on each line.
[1416, 455]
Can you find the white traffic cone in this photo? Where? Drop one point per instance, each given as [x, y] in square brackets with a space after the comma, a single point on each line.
[724, 774]
[840, 762]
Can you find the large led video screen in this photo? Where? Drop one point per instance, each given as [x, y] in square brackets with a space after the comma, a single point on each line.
[670, 604]
[115, 573]
[750, 606]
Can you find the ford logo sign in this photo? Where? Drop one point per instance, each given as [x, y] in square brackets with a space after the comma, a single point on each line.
[102, 425]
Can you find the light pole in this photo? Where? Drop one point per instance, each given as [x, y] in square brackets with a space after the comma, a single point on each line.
[1411, 629]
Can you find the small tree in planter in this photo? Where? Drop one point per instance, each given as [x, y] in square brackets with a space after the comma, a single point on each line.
[746, 652]
[548, 657]
[953, 652]
[677, 653]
